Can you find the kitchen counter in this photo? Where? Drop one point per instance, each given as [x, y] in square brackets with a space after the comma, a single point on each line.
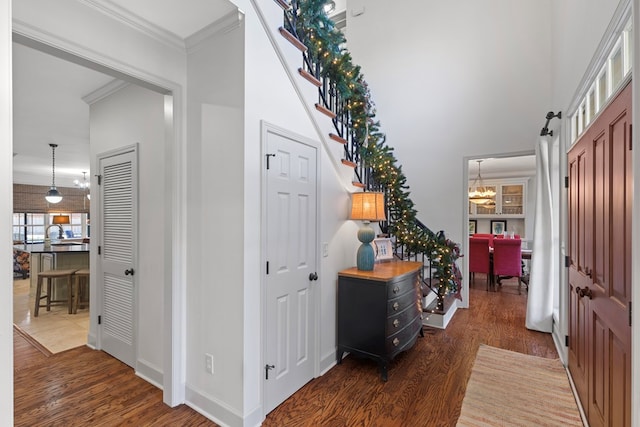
[61, 255]
[55, 248]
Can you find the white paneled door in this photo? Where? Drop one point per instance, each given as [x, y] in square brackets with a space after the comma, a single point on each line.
[117, 254]
[291, 256]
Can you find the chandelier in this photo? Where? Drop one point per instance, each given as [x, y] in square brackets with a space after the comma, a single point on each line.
[479, 194]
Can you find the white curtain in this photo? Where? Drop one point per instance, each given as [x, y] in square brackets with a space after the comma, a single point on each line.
[541, 281]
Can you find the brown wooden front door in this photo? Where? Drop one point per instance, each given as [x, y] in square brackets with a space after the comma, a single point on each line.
[600, 202]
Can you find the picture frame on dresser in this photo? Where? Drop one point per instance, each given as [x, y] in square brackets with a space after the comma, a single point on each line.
[498, 226]
[383, 249]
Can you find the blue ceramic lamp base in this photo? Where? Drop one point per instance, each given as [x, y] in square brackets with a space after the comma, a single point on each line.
[366, 256]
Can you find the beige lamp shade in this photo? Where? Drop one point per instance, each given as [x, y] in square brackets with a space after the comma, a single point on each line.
[61, 219]
[367, 206]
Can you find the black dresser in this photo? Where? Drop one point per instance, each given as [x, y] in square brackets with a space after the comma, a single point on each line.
[379, 311]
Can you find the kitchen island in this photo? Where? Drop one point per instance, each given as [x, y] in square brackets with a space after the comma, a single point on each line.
[62, 254]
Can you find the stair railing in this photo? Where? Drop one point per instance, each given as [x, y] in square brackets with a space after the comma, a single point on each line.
[330, 98]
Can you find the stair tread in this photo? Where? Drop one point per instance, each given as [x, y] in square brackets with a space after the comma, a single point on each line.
[338, 138]
[292, 39]
[325, 111]
[309, 77]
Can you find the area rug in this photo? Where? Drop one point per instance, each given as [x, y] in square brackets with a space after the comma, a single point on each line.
[514, 389]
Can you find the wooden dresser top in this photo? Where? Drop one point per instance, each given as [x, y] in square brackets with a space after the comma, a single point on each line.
[383, 271]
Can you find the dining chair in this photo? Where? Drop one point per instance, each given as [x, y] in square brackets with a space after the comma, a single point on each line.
[501, 236]
[507, 260]
[479, 260]
[484, 236]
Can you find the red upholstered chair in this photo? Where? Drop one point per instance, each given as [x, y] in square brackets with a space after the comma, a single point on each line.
[479, 261]
[507, 259]
[484, 236]
[501, 236]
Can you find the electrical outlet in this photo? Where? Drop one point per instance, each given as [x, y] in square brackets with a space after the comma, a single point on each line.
[325, 249]
[208, 360]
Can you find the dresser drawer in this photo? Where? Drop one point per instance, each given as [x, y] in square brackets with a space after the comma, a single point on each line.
[399, 321]
[400, 302]
[401, 286]
[404, 339]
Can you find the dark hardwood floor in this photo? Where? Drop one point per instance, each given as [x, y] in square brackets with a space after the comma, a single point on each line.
[426, 385]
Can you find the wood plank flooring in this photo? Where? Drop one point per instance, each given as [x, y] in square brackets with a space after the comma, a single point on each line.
[426, 385]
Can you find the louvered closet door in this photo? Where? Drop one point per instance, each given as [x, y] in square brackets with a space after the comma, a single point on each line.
[117, 255]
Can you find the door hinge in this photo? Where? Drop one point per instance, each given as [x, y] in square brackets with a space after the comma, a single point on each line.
[269, 155]
[99, 179]
[267, 267]
[567, 261]
[99, 250]
[566, 340]
[99, 320]
[630, 313]
[566, 182]
[267, 368]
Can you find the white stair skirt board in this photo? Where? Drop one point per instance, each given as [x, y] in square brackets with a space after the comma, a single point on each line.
[437, 320]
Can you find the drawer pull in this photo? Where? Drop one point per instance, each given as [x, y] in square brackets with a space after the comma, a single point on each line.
[396, 341]
[396, 289]
[395, 305]
[396, 323]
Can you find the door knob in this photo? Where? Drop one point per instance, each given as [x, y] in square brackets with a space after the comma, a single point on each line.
[313, 276]
[128, 272]
[586, 292]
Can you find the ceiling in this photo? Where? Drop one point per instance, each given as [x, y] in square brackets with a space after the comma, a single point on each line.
[503, 167]
[48, 92]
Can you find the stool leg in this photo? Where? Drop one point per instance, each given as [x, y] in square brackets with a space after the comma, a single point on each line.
[36, 309]
[70, 295]
[49, 289]
[76, 293]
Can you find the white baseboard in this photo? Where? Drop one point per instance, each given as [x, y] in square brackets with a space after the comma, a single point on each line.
[225, 416]
[440, 321]
[149, 373]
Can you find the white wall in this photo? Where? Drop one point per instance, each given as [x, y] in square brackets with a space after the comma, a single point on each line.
[578, 27]
[134, 115]
[232, 70]
[454, 79]
[215, 232]
[6, 193]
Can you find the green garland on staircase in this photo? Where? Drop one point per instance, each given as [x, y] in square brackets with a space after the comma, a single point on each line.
[326, 43]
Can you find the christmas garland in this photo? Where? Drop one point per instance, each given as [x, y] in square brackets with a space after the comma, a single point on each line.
[325, 45]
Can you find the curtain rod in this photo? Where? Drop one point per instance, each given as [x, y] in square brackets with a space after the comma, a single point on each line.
[550, 115]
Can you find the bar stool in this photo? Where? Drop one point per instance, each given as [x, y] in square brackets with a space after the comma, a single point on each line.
[80, 278]
[50, 275]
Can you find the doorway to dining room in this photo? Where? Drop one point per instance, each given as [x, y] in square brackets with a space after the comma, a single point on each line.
[499, 201]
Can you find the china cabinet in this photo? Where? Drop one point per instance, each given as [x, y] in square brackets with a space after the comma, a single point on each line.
[509, 200]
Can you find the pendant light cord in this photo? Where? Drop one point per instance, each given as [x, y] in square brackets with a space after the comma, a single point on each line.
[53, 169]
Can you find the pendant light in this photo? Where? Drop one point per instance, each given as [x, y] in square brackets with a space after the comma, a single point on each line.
[53, 195]
[480, 194]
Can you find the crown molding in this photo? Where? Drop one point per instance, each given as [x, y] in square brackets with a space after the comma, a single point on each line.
[102, 92]
[227, 23]
[136, 22]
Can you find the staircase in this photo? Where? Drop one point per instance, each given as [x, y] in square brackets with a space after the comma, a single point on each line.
[344, 98]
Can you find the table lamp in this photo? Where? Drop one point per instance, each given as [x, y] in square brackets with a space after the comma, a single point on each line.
[367, 207]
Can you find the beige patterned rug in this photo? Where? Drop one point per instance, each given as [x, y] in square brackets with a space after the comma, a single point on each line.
[514, 389]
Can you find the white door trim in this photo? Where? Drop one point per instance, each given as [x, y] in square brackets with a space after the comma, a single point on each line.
[265, 129]
[174, 372]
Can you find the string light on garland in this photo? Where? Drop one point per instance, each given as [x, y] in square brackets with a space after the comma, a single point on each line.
[325, 43]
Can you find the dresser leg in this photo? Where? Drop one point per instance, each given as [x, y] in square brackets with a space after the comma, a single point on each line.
[339, 356]
[383, 371]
